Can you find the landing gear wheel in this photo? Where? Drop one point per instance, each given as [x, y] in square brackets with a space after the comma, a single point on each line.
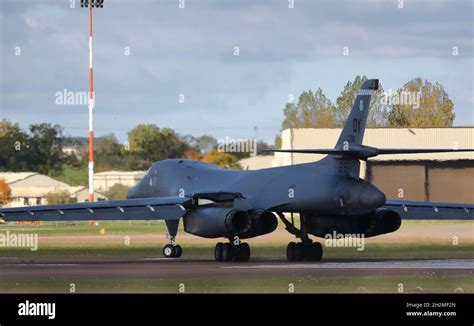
[243, 252]
[218, 251]
[169, 251]
[291, 253]
[304, 251]
[316, 251]
[227, 252]
[230, 252]
[178, 251]
[301, 251]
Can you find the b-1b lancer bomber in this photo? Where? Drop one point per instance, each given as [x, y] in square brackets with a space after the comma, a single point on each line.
[236, 205]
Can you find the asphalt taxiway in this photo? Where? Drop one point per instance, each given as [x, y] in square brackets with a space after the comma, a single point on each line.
[188, 268]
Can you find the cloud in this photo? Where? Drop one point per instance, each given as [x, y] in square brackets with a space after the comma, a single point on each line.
[190, 51]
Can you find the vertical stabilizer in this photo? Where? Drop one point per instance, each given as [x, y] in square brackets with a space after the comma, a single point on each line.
[353, 131]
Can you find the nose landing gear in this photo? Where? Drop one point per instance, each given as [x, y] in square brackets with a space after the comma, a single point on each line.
[172, 250]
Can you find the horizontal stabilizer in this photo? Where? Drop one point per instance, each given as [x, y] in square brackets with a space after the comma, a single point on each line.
[317, 151]
[364, 152]
[420, 150]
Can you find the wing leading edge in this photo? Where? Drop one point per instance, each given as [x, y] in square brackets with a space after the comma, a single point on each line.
[162, 208]
[419, 210]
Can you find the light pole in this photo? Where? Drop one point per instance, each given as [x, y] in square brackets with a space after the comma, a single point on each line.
[91, 4]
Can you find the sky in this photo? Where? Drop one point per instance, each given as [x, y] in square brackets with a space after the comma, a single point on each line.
[155, 62]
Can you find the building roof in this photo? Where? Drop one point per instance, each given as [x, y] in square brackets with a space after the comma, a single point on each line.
[39, 181]
[10, 177]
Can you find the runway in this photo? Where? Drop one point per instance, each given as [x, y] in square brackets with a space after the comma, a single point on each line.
[186, 268]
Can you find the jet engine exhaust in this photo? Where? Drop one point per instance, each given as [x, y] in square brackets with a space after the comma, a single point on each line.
[237, 222]
[216, 222]
[263, 222]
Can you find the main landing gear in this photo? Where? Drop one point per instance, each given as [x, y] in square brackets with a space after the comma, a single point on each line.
[232, 252]
[306, 250]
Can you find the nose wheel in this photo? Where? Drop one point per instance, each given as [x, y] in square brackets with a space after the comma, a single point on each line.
[172, 251]
[230, 252]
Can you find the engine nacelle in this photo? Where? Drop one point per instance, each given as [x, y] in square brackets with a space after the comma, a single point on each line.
[216, 222]
[263, 222]
[379, 222]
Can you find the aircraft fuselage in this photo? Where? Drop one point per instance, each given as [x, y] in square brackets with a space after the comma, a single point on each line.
[317, 187]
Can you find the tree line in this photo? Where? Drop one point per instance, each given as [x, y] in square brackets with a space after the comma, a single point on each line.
[418, 103]
[45, 149]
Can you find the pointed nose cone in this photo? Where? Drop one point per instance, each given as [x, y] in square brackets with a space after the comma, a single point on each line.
[371, 198]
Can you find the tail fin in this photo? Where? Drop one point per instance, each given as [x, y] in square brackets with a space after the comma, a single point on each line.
[353, 131]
